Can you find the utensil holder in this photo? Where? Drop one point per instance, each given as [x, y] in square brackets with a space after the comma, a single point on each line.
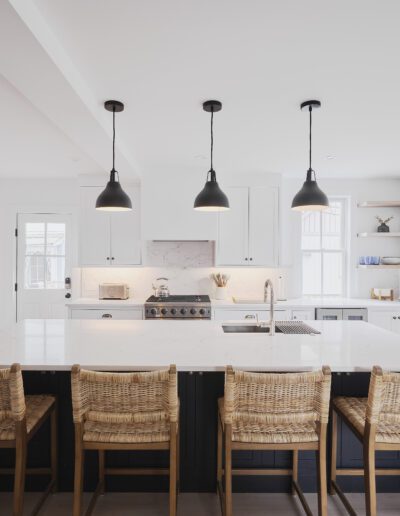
[221, 293]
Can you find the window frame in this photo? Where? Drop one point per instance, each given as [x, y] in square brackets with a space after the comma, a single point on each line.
[321, 251]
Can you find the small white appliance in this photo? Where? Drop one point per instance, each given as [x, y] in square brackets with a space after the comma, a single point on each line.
[113, 291]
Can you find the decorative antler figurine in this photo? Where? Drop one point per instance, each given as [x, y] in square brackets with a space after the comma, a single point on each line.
[383, 228]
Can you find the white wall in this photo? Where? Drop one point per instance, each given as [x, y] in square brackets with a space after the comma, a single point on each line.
[361, 220]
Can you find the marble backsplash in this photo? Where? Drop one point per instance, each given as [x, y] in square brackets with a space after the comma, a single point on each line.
[179, 254]
[188, 267]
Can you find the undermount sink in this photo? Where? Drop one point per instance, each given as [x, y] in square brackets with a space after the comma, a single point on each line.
[247, 328]
[287, 327]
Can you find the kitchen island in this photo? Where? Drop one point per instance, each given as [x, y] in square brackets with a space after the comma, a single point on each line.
[47, 349]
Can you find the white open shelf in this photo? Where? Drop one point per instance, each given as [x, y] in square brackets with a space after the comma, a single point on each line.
[379, 204]
[376, 234]
[387, 267]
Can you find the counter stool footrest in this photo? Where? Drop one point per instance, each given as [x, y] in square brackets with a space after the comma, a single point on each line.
[136, 471]
[358, 472]
[343, 498]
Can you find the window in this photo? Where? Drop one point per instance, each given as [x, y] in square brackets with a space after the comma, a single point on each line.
[323, 241]
[44, 255]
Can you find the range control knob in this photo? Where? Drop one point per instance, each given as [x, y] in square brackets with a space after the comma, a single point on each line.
[202, 311]
[183, 311]
[164, 311]
[153, 311]
[173, 311]
[193, 311]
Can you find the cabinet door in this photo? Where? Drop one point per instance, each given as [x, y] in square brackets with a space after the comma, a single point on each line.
[94, 230]
[125, 232]
[382, 319]
[282, 315]
[263, 226]
[395, 322]
[232, 245]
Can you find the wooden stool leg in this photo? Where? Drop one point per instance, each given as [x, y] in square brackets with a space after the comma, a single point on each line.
[172, 470]
[178, 463]
[321, 465]
[54, 448]
[101, 471]
[369, 473]
[333, 451]
[78, 479]
[228, 470]
[20, 467]
[295, 469]
[219, 454]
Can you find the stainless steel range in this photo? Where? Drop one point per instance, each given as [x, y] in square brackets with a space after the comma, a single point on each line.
[178, 307]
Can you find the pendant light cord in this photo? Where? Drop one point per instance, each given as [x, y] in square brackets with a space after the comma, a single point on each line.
[212, 136]
[310, 111]
[113, 138]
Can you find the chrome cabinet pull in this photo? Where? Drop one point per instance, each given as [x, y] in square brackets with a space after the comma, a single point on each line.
[250, 316]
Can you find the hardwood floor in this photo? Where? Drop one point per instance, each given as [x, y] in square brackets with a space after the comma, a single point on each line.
[156, 504]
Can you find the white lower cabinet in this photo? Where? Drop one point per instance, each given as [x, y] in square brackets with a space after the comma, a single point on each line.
[390, 320]
[125, 314]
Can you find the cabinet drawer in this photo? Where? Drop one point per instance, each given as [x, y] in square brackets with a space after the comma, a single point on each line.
[221, 314]
[303, 315]
[82, 313]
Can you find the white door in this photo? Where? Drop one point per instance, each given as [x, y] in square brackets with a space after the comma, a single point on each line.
[43, 263]
[233, 236]
[94, 230]
[263, 222]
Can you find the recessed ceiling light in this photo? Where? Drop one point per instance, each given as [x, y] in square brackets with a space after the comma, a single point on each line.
[200, 156]
[330, 157]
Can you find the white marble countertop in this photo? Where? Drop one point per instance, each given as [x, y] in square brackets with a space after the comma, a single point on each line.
[194, 346]
[343, 302]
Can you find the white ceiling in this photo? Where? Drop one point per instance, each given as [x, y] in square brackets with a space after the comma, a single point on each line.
[261, 59]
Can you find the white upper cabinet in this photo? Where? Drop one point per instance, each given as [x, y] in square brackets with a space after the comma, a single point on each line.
[263, 223]
[248, 232]
[233, 229]
[109, 238]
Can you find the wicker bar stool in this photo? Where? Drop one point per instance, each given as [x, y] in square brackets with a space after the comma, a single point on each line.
[125, 411]
[376, 422]
[262, 411]
[20, 418]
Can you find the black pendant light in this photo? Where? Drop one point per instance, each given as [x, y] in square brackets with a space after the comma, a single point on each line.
[310, 197]
[211, 198]
[113, 198]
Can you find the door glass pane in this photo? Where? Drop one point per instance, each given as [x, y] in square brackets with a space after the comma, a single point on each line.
[311, 273]
[332, 274]
[34, 272]
[332, 226]
[34, 238]
[55, 244]
[311, 230]
[55, 272]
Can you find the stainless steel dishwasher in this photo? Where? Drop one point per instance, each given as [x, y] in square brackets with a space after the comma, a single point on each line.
[342, 314]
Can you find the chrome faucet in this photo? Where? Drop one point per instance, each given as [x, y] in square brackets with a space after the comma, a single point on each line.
[269, 284]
